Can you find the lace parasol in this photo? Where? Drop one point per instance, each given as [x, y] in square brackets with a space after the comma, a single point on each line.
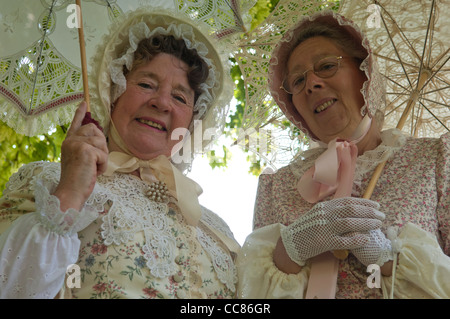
[411, 40]
[41, 81]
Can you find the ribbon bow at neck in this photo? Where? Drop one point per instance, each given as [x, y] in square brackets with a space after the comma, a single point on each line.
[185, 190]
[334, 170]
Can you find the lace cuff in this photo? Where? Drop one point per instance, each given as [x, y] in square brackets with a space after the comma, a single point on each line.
[386, 254]
[259, 277]
[52, 218]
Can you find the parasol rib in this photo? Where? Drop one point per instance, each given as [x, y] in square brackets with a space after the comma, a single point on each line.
[401, 32]
[396, 83]
[39, 59]
[436, 72]
[428, 100]
[431, 30]
[398, 107]
[438, 90]
[438, 59]
[434, 116]
[424, 76]
[392, 41]
[382, 57]
[237, 15]
[427, 37]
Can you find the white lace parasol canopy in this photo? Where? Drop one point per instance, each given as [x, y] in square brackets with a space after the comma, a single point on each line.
[411, 40]
[40, 66]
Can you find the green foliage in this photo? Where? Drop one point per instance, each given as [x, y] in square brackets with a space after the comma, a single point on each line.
[259, 12]
[19, 149]
[217, 161]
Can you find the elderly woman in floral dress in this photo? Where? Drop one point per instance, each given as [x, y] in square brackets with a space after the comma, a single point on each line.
[324, 78]
[117, 211]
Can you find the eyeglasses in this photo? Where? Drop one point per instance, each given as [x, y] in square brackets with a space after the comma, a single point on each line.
[324, 68]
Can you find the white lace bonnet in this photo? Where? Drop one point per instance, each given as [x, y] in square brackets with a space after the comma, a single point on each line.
[117, 49]
[372, 90]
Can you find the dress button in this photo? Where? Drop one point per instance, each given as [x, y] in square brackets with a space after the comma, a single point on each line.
[181, 294]
[178, 277]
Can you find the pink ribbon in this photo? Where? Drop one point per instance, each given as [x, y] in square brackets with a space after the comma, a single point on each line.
[333, 172]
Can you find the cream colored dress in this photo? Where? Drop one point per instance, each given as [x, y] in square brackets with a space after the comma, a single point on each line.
[123, 244]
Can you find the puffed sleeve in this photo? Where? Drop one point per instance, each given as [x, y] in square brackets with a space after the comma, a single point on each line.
[38, 241]
[257, 273]
[423, 270]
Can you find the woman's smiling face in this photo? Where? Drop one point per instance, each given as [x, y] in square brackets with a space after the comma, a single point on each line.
[330, 106]
[158, 99]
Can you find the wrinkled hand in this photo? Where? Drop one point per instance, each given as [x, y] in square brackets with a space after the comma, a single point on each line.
[84, 156]
[378, 249]
[342, 223]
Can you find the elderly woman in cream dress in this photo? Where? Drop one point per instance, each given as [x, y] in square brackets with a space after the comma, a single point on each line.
[118, 218]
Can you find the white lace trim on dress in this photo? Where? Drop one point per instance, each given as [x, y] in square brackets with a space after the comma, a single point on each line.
[131, 211]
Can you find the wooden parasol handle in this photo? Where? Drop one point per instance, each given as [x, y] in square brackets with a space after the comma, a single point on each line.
[424, 76]
[83, 55]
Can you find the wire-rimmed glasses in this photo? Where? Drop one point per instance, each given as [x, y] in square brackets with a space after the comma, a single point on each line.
[324, 68]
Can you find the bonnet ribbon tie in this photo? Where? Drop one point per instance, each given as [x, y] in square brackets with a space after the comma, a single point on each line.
[184, 189]
[334, 170]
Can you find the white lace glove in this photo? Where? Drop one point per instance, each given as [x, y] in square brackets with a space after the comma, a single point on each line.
[377, 251]
[341, 223]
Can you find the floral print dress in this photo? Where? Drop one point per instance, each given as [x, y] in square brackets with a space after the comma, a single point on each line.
[123, 244]
[413, 191]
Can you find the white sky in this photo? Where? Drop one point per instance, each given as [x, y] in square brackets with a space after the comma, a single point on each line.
[229, 192]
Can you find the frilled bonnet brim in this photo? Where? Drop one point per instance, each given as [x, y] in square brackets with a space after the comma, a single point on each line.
[116, 50]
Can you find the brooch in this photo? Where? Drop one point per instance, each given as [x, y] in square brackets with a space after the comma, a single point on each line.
[158, 192]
